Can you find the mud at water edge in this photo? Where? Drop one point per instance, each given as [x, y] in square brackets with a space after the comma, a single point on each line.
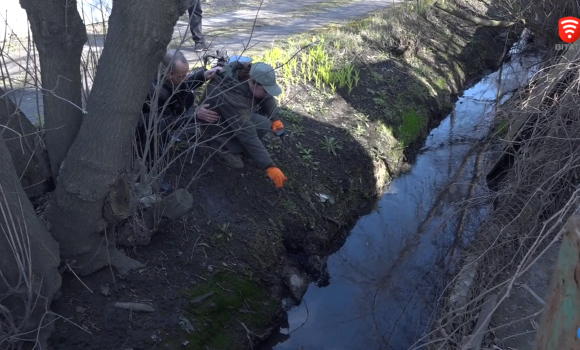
[242, 233]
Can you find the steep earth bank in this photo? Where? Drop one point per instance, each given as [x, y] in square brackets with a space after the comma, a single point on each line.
[218, 276]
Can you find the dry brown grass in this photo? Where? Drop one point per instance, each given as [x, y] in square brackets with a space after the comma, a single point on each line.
[21, 288]
[534, 200]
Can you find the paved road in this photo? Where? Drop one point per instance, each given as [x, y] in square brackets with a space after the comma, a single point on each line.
[281, 20]
[29, 100]
[276, 20]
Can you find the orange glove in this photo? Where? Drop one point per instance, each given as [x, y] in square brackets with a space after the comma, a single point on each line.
[277, 176]
[278, 128]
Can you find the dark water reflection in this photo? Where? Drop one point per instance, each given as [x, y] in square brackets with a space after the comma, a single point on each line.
[386, 279]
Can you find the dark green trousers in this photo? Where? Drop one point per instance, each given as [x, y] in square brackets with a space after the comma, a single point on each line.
[229, 141]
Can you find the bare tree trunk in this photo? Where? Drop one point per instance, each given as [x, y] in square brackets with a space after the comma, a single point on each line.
[24, 144]
[59, 35]
[92, 177]
[29, 260]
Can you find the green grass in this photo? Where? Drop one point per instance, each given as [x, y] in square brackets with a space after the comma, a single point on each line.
[331, 145]
[412, 125]
[329, 61]
[503, 127]
[441, 83]
[318, 67]
[292, 117]
[216, 319]
[310, 61]
[290, 206]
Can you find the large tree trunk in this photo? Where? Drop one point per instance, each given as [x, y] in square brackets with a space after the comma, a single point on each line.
[24, 144]
[59, 35]
[29, 260]
[92, 176]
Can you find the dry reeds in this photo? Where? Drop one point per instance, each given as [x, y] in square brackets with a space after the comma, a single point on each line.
[534, 199]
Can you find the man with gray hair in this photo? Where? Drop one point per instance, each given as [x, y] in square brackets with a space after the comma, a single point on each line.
[170, 98]
[173, 95]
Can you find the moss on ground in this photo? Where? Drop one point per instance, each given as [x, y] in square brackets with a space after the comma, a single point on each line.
[413, 125]
[503, 127]
[217, 319]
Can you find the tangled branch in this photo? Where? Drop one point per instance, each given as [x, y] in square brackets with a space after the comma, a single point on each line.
[534, 198]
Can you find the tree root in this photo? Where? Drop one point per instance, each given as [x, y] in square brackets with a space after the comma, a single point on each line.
[94, 261]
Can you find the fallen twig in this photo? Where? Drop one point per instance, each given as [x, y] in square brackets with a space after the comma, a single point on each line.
[194, 246]
[482, 322]
[334, 221]
[200, 299]
[201, 278]
[536, 296]
[249, 332]
[227, 290]
[71, 270]
[135, 307]
[246, 311]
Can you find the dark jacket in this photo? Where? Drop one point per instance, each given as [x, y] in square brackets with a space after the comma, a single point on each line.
[234, 102]
[170, 105]
[178, 99]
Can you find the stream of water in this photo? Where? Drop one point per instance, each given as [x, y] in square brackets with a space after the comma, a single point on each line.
[387, 278]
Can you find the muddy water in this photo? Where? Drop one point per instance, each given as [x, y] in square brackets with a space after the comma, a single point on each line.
[386, 279]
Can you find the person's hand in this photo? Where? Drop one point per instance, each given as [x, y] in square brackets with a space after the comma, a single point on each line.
[277, 176]
[208, 74]
[278, 128]
[205, 114]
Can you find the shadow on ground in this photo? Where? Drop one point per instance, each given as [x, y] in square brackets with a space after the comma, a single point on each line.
[413, 87]
[239, 223]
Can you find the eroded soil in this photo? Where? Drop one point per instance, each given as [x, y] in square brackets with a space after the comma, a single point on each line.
[243, 235]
